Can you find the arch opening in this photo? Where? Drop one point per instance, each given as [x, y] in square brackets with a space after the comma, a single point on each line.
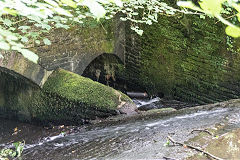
[105, 69]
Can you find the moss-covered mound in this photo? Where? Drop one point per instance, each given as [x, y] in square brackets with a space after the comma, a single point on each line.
[80, 89]
[66, 98]
[186, 58]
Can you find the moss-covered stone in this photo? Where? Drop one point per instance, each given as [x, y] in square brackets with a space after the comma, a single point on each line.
[77, 88]
[187, 62]
[75, 48]
[65, 98]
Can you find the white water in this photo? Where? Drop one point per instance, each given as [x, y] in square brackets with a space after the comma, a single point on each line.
[62, 141]
[187, 116]
[140, 103]
[134, 140]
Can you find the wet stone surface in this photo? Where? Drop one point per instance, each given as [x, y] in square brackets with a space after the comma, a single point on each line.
[157, 103]
[139, 139]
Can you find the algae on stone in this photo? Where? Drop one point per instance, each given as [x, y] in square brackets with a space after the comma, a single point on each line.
[186, 64]
[65, 98]
[77, 88]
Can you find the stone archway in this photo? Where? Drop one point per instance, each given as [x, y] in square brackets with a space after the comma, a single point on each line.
[104, 69]
[18, 66]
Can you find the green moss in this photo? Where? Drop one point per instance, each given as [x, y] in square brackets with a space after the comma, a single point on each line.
[99, 36]
[186, 63]
[160, 111]
[108, 46]
[2, 100]
[77, 88]
[65, 98]
[162, 48]
[68, 98]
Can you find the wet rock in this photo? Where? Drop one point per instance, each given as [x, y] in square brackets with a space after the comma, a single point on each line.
[227, 146]
[128, 108]
[160, 111]
[164, 103]
[137, 94]
[150, 106]
[66, 98]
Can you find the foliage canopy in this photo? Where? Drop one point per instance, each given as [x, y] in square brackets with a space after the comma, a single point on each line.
[23, 22]
[221, 9]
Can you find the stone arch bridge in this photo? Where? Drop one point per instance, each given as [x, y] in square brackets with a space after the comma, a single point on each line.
[72, 50]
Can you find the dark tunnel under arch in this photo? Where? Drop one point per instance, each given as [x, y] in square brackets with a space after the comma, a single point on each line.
[107, 64]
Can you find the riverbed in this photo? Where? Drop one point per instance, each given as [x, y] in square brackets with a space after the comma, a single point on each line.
[141, 139]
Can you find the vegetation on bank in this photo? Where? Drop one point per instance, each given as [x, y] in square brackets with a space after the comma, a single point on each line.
[185, 58]
[65, 98]
[77, 88]
[194, 59]
[24, 22]
[68, 97]
[7, 153]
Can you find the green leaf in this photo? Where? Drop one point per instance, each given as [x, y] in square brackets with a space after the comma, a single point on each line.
[95, 8]
[16, 144]
[186, 4]
[24, 39]
[46, 41]
[233, 31]
[14, 44]
[46, 26]
[140, 32]
[33, 34]
[51, 2]
[137, 30]
[7, 22]
[236, 6]
[149, 22]
[69, 3]
[24, 27]
[29, 55]
[62, 11]
[12, 37]
[202, 16]
[12, 29]
[10, 11]
[238, 16]
[119, 3]
[135, 13]
[59, 25]
[123, 19]
[4, 45]
[212, 6]
[35, 18]
[37, 41]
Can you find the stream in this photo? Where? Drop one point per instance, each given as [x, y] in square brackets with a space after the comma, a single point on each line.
[142, 139]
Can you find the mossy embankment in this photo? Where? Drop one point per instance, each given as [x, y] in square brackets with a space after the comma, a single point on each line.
[77, 88]
[186, 58]
[65, 98]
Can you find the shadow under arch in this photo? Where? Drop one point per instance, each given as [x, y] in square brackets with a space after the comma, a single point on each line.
[14, 79]
[104, 68]
[15, 92]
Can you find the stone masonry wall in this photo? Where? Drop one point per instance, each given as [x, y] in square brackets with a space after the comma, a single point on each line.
[186, 62]
[75, 48]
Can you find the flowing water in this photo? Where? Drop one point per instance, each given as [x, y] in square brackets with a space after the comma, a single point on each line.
[140, 103]
[143, 139]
